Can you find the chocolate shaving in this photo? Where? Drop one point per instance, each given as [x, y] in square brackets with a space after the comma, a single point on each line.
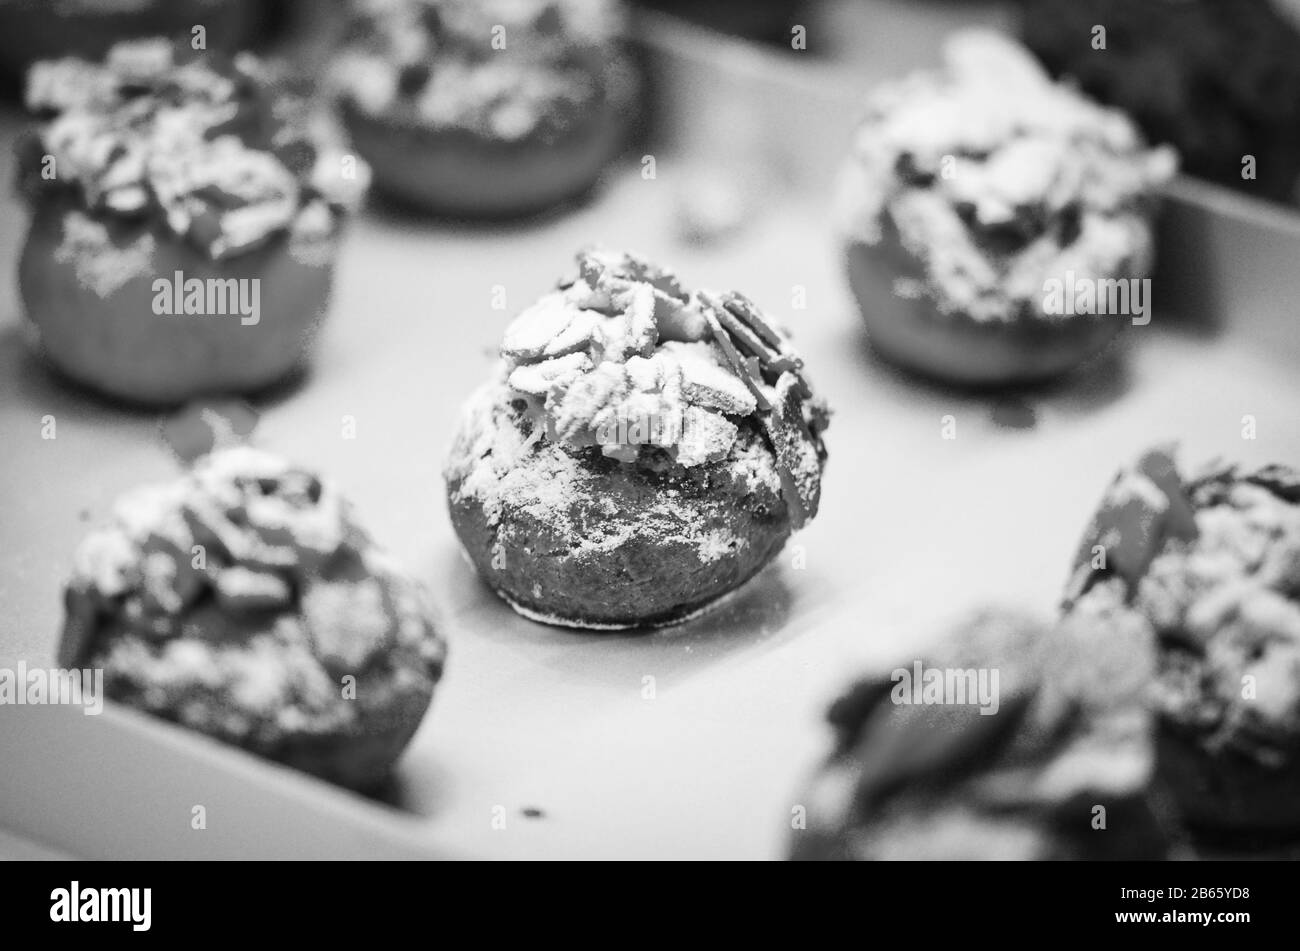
[819, 416]
[798, 455]
[799, 452]
[747, 312]
[741, 317]
[786, 363]
[744, 336]
[737, 362]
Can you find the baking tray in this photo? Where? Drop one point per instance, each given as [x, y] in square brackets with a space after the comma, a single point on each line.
[688, 742]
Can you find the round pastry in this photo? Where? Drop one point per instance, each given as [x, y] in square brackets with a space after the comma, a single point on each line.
[641, 452]
[495, 109]
[244, 601]
[1211, 565]
[32, 30]
[982, 202]
[1219, 79]
[185, 218]
[1010, 741]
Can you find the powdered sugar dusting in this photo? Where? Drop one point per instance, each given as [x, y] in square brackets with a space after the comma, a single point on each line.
[503, 467]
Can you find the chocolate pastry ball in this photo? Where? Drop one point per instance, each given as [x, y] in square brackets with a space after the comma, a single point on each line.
[486, 108]
[641, 451]
[981, 205]
[244, 601]
[1211, 566]
[185, 218]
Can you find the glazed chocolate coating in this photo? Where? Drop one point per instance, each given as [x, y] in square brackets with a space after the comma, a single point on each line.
[623, 545]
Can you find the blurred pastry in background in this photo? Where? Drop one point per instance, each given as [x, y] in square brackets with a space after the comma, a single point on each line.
[1008, 741]
[769, 21]
[33, 30]
[186, 210]
[1218, 79]
[486, 108]
[981, 202]
[1211, 567]
[641, 451]
[244, 601]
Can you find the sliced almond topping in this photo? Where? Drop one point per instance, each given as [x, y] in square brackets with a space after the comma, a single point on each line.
[538, 378]
[641, 314]
[587, 396]
[527, 336]
[577, 336]
[590, 298]
[706, 436]
[645, 373]
[707, 384]
[633, 330]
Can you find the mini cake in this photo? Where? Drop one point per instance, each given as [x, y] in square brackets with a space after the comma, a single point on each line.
[1053, 759]
[1211, 565]
[486, 108]
[244, 601]
[32, 30]
[974, 191]
[1219, 79]
[185, 217]
[641, 452]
